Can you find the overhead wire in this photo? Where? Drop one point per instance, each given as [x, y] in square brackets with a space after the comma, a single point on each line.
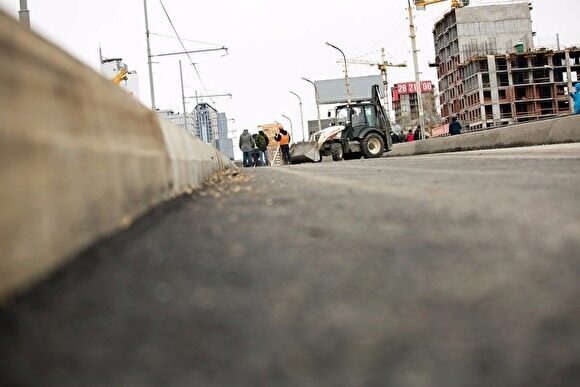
[184, 49]
[184, 39]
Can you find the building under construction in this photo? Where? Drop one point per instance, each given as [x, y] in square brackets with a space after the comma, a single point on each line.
[406, 105]
[489, 72]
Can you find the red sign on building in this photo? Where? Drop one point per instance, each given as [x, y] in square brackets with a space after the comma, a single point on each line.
[410, 88]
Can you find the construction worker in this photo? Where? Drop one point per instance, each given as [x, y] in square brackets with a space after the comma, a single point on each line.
[283, 139]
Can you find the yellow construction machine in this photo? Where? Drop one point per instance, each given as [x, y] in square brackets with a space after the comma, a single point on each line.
[122, 76]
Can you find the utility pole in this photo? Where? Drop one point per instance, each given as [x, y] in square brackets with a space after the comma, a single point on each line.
[149, 63]
[317, 97]
[183, 97]
[383, 68]
[301, 114]
[24, 14]
[569, 76]
[417, 72]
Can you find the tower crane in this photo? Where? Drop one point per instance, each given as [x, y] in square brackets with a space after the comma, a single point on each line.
[421, 4]
[382, 66]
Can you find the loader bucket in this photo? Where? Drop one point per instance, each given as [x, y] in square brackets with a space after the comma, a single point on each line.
[304, 152]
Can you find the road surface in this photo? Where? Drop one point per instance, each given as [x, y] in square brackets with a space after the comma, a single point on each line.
[442, 270]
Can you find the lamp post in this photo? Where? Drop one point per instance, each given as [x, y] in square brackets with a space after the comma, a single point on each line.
[346, 82]
[317, 101]
[301, 114]
[24, 14]
[290, 121]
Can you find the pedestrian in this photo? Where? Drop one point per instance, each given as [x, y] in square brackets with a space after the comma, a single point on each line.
[283, 139]
[454, 126]
[265, 136]
[262, 143]
[576, 97]
[246, 145]
[410, 136]
[255, 151]
[417, 135]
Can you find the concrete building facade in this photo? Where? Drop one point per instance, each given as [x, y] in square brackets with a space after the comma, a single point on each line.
[474, 31]
[223, 142]
[206, 119]
[517, 87]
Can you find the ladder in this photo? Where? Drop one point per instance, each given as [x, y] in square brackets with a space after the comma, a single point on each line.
[277, 159]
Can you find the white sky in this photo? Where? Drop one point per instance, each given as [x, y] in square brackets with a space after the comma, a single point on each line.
[271, 45]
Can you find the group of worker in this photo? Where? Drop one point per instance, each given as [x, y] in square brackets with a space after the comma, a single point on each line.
[254, 147]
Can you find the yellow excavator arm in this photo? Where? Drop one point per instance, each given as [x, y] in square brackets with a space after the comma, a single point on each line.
[122, 76]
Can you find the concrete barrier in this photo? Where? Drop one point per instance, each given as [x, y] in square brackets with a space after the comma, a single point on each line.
[553, 131]
[79, 158]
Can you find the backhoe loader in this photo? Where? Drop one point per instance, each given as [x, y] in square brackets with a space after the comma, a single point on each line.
[361, 129]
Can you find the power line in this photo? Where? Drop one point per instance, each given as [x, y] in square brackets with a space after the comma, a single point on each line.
[186, 40]
[183, 46]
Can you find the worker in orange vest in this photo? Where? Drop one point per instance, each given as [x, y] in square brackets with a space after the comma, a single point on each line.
[283, 139]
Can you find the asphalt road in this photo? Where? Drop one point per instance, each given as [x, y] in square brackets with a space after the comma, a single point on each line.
[443, 270]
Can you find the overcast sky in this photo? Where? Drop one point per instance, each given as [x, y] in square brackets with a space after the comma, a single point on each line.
[271, 44]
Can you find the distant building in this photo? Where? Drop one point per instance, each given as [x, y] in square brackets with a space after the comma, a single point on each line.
[110, 68]
[206, 122]
[406, 105]
[178, 119]
[223, 142]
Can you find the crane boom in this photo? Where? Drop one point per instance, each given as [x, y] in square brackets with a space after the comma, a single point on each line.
[421, 4]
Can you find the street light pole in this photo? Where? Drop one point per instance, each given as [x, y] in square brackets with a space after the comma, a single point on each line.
[346, 82]
[149, 56]
[301, 114]
[317, 101]
[183, 97]
[291, 128]
[24, 14]
[417, 72]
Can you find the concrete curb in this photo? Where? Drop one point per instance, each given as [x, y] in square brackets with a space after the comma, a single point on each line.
[552, 131]
[79, 158]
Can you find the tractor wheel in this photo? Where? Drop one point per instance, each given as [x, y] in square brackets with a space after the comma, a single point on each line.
[336, 151]
[372, 146]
